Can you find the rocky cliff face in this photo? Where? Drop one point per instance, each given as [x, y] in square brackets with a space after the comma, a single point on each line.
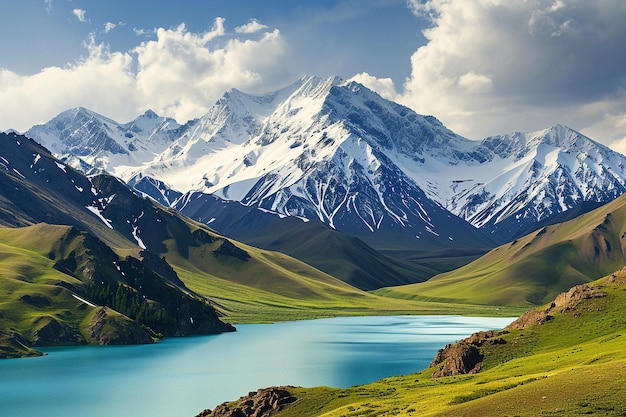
[464, 357]
[48, 331]
[564, 302]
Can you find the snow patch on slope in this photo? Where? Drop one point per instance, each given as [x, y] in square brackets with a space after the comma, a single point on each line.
[98, 213]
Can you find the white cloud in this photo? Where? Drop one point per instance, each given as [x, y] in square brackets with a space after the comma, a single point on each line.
[181, 73]
[178, 74]
[109, 26]
[102, 81]
[488, 67]
[383, 86]
[493, 66]
[143, 32]
[252, 26]
[80, 14]
[608, 122]
[48, 4]
[472, 82]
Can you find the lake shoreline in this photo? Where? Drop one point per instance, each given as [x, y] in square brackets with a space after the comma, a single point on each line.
[188, 374]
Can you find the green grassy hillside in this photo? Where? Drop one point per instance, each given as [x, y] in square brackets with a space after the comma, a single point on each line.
[31, 293]
[60, 286]
[533, 269]
[565, 359]
[338, 254]
[248, 284]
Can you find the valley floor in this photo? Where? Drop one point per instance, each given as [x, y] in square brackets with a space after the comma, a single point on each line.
[242, 304]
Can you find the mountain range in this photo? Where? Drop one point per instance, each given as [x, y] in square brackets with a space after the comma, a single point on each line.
[336, 152]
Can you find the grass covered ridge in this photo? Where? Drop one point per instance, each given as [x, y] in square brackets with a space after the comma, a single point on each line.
[533, 269]
[61, 286]
[32, 291]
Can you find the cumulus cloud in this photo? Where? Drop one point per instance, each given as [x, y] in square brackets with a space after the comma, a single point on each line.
[253, 26]
[102, 81]
[472, 82]
[383, 86]
[80, 14]
[178, 73]
[491, 66]
[488, 67]
[109, 26]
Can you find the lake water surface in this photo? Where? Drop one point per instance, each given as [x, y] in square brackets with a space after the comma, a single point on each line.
[182, 376]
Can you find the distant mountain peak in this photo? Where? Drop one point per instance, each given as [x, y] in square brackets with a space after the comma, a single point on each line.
[150, 114]
[77, 110]
[82, 112]
[89, 139]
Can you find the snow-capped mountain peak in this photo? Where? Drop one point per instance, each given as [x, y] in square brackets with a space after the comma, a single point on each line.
[534, 176]
[319, 149]
[89, 140]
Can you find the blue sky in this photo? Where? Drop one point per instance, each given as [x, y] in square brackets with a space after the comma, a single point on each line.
[483, 67]
[359, 35]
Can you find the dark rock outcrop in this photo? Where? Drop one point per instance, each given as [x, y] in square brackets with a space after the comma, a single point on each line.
[464, 357]
[160, 266]
[261, 403]
[459, 358]
[228, 249]
[13, 345]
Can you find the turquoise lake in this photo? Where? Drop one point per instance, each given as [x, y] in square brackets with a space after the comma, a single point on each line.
[179, 377]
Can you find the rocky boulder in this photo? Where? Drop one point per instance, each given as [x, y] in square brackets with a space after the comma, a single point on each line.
[459, 358]
[261, 403]
[464, 357]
